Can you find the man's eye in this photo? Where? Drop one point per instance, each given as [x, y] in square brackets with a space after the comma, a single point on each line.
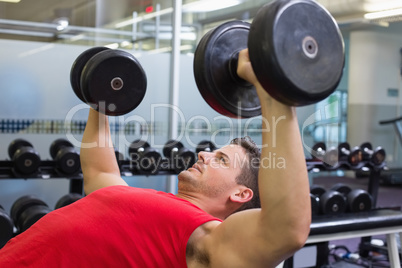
[222, 159]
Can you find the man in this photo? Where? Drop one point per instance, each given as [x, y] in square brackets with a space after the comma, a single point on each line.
[120, 226]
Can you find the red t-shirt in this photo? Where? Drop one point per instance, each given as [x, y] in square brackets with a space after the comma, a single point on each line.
[117, 226]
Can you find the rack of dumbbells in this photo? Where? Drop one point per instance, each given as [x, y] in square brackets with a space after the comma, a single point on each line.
[340, 200]
[26, 163]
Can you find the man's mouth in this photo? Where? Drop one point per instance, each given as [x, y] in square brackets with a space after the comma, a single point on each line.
[197, 167]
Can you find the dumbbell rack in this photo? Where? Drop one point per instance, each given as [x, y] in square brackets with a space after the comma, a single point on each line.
[48, 170]
[314, 165]
[391, 217]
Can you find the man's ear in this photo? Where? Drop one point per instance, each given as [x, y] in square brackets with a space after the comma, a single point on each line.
[242, 195]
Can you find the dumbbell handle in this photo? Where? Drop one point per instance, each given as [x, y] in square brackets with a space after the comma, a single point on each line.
[233, 62]
[368, 151]
[345, 151]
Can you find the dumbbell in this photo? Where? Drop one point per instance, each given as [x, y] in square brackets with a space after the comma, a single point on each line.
[296, 69]
[328, 157]
[376, 157]
[111, 81]
[65, 156]
[180, 158]
[6, 227]
[119, 157]
[27, 210]
[25, 158]
[205, 145]
[318, 151]
[315, 193]
[353, 156]
[330, 202]
[67, 199]
[144, 159]
[357, 200]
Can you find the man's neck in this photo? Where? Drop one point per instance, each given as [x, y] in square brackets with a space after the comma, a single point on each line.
[206, 204]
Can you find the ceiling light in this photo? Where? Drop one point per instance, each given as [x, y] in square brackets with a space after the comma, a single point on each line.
[10, 1]
[383, 14]
[209, 5]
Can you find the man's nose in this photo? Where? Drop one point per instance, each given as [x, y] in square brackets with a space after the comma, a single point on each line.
[205, 157]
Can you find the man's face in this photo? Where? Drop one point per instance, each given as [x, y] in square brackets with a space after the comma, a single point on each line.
[215, 172]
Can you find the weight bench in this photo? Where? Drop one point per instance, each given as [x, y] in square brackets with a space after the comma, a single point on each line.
[376, 222]
[363, 224]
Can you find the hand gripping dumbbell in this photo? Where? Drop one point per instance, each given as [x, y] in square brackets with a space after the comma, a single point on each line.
[204, 145]
[67, 159]
[6, 227]
[143, 158]
[110, 81]
[352, 156]
[25, 158]
[357, 200]
[27, 210]
[375, 157]
[67, 199]
[296, 69]
[330, 202]
[180, 158]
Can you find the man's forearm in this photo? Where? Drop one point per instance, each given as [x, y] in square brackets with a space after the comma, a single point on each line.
[283, 180]
[97, 151]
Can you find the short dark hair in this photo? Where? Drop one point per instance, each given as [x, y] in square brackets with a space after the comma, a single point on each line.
[249, 174]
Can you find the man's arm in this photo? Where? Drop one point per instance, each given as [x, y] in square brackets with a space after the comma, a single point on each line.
[263, 238]
[98, 160]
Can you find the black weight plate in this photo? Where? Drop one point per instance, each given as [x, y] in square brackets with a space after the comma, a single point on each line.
[119, 156]
[31, 215]
[205, 145]
[378, 156]
[26, 160]
[136, 146]
[355, 156]
[331, 158]
[215, 71]
[186, 159]
[359, 200]
[318, 150]
[16, 144]
[297, 51]
[23, 203]
[78, 66]
[100, 76]
[341, 146]
[317, 190]
[171, 145]
[6, 227]
[332, 203]
[315, 204]
[57, 145]
[342, 188]
[150, 162]
[366, 145]
[67, 200]
[68, 161]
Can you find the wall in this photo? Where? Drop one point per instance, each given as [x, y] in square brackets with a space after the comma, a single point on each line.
[374, 69]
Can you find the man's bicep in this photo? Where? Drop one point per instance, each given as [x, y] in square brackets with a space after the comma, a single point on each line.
[101, 180]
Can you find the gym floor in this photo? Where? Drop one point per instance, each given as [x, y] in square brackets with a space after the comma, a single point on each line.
[388, 196]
